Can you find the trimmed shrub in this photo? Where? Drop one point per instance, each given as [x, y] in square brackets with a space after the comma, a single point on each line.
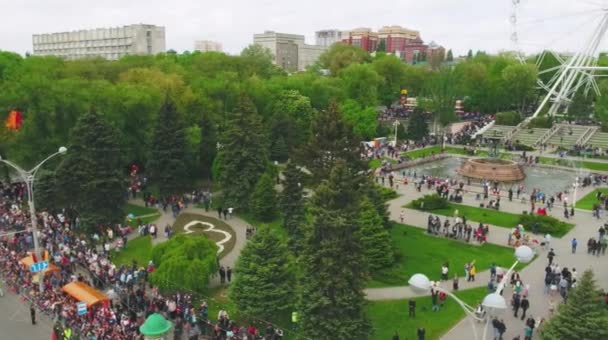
[387, 194]
[508, 118]
[430, 202]
[545, 225]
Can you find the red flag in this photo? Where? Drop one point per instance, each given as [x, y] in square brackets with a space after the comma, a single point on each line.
[14, 120]
[34, 257]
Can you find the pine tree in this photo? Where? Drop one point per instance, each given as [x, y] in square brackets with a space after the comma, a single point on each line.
[263, 201]
[279, 150]
[208, 146]
[91, 176]
[333, 140]
[450, 56]
[333, 263]
[292, 205]
[46, 190]
[167, 163]
[243, 154]
[375, 239]
[584, 316]
[418, 126]
[264, 281]
[470, 54]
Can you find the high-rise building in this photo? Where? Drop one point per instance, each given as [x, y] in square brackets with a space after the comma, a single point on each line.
[290, 51]
[329, 37]
[207, 46]
[362, 37]
[110, 43]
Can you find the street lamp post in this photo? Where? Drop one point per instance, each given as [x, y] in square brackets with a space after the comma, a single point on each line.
[492, 303]
[29, 177]
[495, 302]
[396, 125]
[420, 283]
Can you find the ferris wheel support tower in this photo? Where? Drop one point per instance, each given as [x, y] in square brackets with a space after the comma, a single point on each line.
[573, 74]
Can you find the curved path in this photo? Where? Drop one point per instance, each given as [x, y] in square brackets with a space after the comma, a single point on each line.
[239, 226]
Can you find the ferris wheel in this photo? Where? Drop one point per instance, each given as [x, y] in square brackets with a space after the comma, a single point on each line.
[547, 40]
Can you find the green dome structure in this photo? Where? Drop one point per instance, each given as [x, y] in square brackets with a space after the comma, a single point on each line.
[155, 327]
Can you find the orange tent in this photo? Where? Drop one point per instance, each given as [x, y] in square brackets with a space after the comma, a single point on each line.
[28, 261]
[84, 293]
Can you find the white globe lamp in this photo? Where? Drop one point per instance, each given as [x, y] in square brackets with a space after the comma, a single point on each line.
[420, 283]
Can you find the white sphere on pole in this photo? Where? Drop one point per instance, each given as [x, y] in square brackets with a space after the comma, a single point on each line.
[524, 254]
[420, 283]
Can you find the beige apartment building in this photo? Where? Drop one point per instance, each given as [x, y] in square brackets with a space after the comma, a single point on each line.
[207, 46]
[110, 43]
[290, 51]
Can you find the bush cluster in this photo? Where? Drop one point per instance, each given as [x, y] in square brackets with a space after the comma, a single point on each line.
[545, 224]
[430, 202]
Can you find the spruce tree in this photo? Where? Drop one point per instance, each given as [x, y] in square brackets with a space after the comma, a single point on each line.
[584, 316]
[375, 239]
[264, 281]
[292, 205]
[91, 176]
[418, 126]
[243, 154]
[333, 263]
[279, 150]
[208, 146]
[167, 162]
[450, 56]
[263, 201]
[333, 140]
[45, 187]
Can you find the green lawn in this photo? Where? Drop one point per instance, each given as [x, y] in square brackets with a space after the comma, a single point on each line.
[489, 216]
[376, 163]
[138, 249]
[595, 166]
[184, 218]
[589, 200]
[276, 226]
[417, 252]
[392, 315]
[134, 223]
[138, 210]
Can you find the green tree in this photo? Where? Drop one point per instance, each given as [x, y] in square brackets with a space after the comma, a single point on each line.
[417, 127]
[375, 239]
[184, 262]
[46, 190]
[584, 316]
[333, 262]
[361, 82]
[333, 140]
[168, 157]
[508, 118]
[91, 176]
[292, 205]
[208, 145]
[601, 104]
[279, 151]
[364, 120]
[340, 56]
[470, 54]
[265, 282]
[257, 59]
[581, 106]
[392, 71]
[450, 56]
[243, 154]
[263, 201]
[520, 84]
[381, 46]
[441, 97]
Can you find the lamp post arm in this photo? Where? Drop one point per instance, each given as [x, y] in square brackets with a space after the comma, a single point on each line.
[17, 168]
[37, 167]
[503, 282]
[470, 311]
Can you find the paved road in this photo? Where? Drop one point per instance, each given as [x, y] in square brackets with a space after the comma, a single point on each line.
[15, 322]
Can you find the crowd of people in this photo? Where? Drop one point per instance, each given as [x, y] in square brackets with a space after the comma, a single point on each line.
[88, 260]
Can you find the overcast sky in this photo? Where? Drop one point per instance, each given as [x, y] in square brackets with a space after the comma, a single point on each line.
[460, 25]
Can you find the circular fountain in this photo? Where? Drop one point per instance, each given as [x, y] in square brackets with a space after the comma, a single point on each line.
[492, 169]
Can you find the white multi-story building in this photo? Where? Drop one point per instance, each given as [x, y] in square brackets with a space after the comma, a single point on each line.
[207, 46]
[329, 37]
[110, 43]
[290, 51]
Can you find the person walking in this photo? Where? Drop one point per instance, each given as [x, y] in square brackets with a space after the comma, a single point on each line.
[33, 313]
[574, 243]
[421, 333]
[444, 272]
[516, 304]
[472, 272]
[524, 304]
[550, 256]
[222, 275]
[228, 274]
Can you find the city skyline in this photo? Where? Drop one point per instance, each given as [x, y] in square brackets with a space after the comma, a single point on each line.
[472, 24]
